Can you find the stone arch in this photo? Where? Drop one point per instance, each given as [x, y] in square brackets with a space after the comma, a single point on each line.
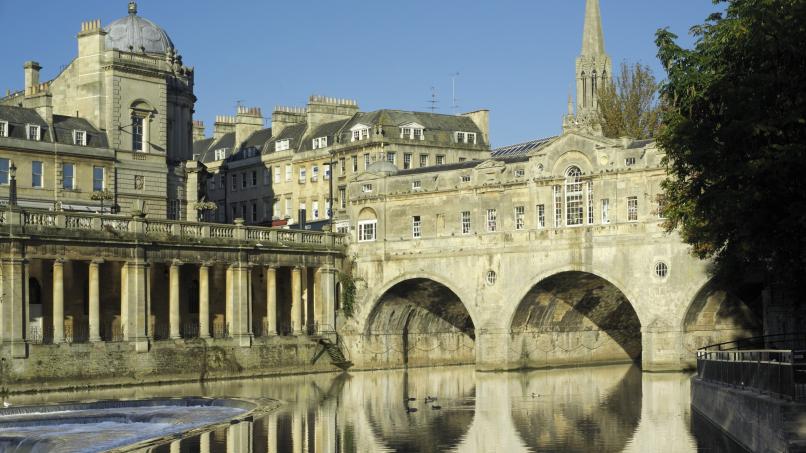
[572, 159]
[142, 105]
[574, 317]
[417, 320]
[716, 314]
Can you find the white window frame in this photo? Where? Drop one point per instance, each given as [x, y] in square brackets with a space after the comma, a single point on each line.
[441, 159]
[590, 202]
[33, 132]
[423, 160]
[359, 132]
[289, 172]
[276, 174]
[520, 217]
[558, 206]
[138, 133]
[492, 220]
[343, 197]
[465, 178]
[416, 185]
[406, 161]
[102, 180]
[72, 185]
[391, 156]
[366, 188]
[632, 209]
[574, 192]
[465, 222]
[320, 142]
[303, 175]
[605, 211]
[282, 145]
[629, 162]
[5, 174]
[289, 208]
[4, 129]
[34, 174]
[465, 137]
[416, 227]
[315, 209]
[367, 230]
[541, 216]
[367, 161]
[412, 131]
[660, 202]
[220, 154]
[520, 172]
[327, 171]
[80, 138]
[315, 173]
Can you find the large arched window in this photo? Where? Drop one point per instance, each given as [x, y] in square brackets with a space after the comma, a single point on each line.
[574, 201]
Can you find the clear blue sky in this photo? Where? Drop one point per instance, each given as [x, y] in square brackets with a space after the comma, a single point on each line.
[514, 57]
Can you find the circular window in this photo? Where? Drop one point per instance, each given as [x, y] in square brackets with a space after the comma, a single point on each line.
[539, 168]
[661, 269]
[491, 277]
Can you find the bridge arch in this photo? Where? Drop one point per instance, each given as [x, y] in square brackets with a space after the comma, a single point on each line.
[419, 319]
[575, 317]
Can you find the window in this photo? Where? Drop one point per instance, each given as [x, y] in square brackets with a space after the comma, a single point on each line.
[520, 214]
[466, 137]
[465, 178]
[460, 137]
[68, 175]
[661, 269]
[275, 212]
[320, 142]
[558, 206]
[4, 169]
[354, 161]
[288, 172]
[327, 171]
[573, 197]
[590, 202]
[266, 176]
[343, 197]
[366, 188]
[328, 210]
[630, 161]
[366, 230]
[234, 182]
[303, 173]
[632, 209]
[80, 138]
[412, 131]
[98, 179]
[174, 209]
[34, 132]
[315, 173]
[254, 212]
[288, 208]
[605, 211]
[465, 220]
[440, 160]
[137, 133]
[220, 154]
[276, 174]
[282, 145]
[416, 227]
[406, 161]
[342, 167]
[315, 209]
[3, 129]
[243, 210]
[36, 174]
[243, 180]
[462, 159]
[222, 182]
[520, 172]
[254, 178]
[360, 133]
[491, 220]
[391, 157]
[416, 185]
[366, 161]
[661, 200]
[423, 160]
[541, 216]
[234, 211]
[491, 278]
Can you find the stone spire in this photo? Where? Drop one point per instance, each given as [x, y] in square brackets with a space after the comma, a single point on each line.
[592, 36]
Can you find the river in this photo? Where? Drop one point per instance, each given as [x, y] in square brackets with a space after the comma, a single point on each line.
[598, 409]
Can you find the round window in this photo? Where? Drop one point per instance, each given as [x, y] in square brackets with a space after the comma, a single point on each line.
[491, 277]
[661, 269]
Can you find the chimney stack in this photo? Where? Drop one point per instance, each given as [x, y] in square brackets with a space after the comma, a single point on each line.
[198, 130]
[32, 69]
[248, 120]
[224, 124]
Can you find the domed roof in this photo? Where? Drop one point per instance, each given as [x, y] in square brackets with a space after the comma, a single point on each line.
[383, 166]
[137, 34]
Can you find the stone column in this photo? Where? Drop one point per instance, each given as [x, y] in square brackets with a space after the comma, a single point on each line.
[297, 431]
[327, 296]
[297, 326]
[239, 437]
[204, 442]
[134, 301]
[58, 301]
[238, 300]
[271, 301]
[174, 318]
[95, 301]
[271, 433]
[14, 288]
[204, 301]
[175, 446]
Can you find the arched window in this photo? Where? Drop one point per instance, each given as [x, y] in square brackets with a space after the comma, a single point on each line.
[574, 201]
[593, 89]
[584, 89]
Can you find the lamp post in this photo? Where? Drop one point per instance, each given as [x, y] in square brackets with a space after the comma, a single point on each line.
[12, 185]
[101, 195]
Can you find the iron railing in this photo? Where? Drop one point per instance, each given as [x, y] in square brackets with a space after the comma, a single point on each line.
[774, 365]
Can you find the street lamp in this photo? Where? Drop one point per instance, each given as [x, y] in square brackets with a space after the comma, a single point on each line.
[12, 185]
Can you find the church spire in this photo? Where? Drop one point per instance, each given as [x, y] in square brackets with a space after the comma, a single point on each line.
[592, 36]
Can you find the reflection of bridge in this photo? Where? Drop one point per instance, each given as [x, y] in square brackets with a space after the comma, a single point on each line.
[557, 257]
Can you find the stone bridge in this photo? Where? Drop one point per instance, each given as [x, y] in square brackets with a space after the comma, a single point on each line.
[488, 274]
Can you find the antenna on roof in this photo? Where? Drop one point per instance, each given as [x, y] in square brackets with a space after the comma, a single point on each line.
[455, 105]
[433, 100]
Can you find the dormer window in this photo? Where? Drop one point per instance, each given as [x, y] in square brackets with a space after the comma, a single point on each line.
[630, 161]
[412, 131]
[33, 132]
[465, 178]
[416, 185]
[520, 172]
[466, 137]
[320, 142]
[360, 132]
[220, 154]
[80, 138]
[282, 145]
[366, 188]
[250, 152]
[3, 128]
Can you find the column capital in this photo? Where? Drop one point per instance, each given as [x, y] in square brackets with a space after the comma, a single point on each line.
[176, 263]
[207, 264]
[59, 261]
[97, 261]
[272, 268]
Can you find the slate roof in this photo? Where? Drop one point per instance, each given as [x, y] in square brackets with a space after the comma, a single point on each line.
[430, 121]
[258, 139]
[18, 117]
[227, 142]
[201, 146]
[329, 130]
[639, 144]
[65, 125]
[293, 132]
[460, 165]
[521, 149]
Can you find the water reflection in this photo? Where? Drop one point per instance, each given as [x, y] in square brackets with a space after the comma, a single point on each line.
[609, 409]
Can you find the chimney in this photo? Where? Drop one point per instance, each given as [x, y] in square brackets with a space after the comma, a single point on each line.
[323, 109]
[32, 69]
[482, 120]
[198, 130]
[223, 125]
[247, 121]
[283, 117]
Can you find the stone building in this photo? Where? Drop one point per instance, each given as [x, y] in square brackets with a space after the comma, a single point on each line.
[117, 119]
[270, 175]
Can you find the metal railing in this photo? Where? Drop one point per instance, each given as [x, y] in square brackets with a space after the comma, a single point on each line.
[774, 365]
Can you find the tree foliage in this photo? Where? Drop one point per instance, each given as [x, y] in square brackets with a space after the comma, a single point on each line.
[735, 138]
[628, 105]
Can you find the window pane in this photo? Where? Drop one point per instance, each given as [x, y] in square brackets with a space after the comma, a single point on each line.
[97, 179]
[36, 174]
[4, 164]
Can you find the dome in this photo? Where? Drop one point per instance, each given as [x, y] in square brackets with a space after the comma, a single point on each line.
[383, 166]
[137, 34]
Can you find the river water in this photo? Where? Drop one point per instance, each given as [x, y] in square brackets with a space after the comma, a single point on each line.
[598, 409]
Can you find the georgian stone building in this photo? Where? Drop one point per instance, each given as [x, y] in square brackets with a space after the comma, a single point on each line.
[114, 127]
[308, 156]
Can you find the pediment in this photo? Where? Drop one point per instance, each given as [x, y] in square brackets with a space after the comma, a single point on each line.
[491, 165]
[413, 125]
[359, 127]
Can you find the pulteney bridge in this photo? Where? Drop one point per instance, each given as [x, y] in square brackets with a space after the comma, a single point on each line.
[555, 257]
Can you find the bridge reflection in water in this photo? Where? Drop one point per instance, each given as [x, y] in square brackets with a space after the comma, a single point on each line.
[603, 409]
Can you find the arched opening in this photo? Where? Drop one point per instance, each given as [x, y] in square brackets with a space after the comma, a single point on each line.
[420, 322]
[575, 318]
[717, 315]
[367, 227]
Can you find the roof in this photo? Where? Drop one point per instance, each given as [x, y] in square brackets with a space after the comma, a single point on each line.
[460, 165]
[430, 121]
[227, 142]
[201, 146]
[18, 117]
[637, 144]
[329, 130]
[293, 133]
[521, 149]
[65, 125]
[137, 34]
[258, 139]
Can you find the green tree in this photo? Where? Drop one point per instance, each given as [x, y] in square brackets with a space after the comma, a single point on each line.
[735, 139]
[628, 105]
